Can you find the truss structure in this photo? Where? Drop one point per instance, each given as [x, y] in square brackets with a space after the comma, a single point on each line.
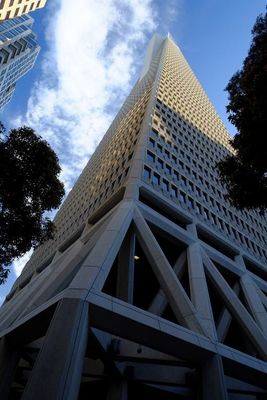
[91, 334]
[144, 301]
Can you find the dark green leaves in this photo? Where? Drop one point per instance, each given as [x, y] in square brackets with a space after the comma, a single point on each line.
[245, 175]
[29, 186]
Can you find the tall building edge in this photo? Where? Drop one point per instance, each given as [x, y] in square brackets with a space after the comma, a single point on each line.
[12, 9]
[18, 52]
[154, 286]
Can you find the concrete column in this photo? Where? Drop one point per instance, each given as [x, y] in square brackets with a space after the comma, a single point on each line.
[9, 357]
[213, 380]
[125, 280]
[118, 390]
[57, 371]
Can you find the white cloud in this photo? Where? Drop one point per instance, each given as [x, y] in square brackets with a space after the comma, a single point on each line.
[19, 263]
[93, 49]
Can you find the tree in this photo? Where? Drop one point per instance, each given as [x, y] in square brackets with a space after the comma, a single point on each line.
[245, 173]
[29, 186]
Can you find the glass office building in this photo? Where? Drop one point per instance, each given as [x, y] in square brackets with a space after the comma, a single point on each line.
[18, 52]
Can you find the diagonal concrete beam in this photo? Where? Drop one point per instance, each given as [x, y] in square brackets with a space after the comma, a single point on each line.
[125, 275]
[104, 253]
[225, 318]
[199, 289]
[254, 302]
[180, 303]
[236, 308]
[160, 301]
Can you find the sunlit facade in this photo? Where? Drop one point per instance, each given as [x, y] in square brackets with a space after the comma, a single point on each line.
[154, 286]
[15, 8]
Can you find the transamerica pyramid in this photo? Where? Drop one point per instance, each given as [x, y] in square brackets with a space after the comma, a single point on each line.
[154, 286]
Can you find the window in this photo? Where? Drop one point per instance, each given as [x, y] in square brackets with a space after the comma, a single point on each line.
[160, 163]
[150, 157]
[159, 147]
[228, 228]
[152, 142]
[168, 169]
[165, 185]
[156, 179]
[147, 172]
[183, 180]
[205, 213]
[176, 175]
[190, 203]
[220, 223]
[167, 153]
[182, 197]
[174, 191]
[212, 218]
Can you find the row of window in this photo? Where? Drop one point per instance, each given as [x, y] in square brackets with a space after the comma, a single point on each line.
[177, 194]
[199, 143]
[103, 175]
[191, 186]
[185, 151]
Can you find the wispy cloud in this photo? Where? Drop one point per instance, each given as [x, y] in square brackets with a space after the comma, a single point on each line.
[94, 51]
[88, 68]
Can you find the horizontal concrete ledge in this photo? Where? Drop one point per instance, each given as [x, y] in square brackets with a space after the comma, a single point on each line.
[139, 326]
[127, 321]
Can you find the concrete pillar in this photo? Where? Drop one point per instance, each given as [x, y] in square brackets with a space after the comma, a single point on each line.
[118, 390]
[9, 357]
[57, 371]
[125, 279]
[213, 380]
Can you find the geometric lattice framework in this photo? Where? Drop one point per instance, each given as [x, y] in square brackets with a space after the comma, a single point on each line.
[145, 301]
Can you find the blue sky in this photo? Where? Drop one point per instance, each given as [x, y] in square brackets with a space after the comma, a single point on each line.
[92, 53]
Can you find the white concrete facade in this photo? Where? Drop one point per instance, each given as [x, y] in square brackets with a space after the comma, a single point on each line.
[154, 284]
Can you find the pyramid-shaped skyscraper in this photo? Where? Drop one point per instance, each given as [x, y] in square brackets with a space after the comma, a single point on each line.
[154, 286]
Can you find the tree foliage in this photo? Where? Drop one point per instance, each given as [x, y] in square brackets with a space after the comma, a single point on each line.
[29, 186]
[245, 173]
